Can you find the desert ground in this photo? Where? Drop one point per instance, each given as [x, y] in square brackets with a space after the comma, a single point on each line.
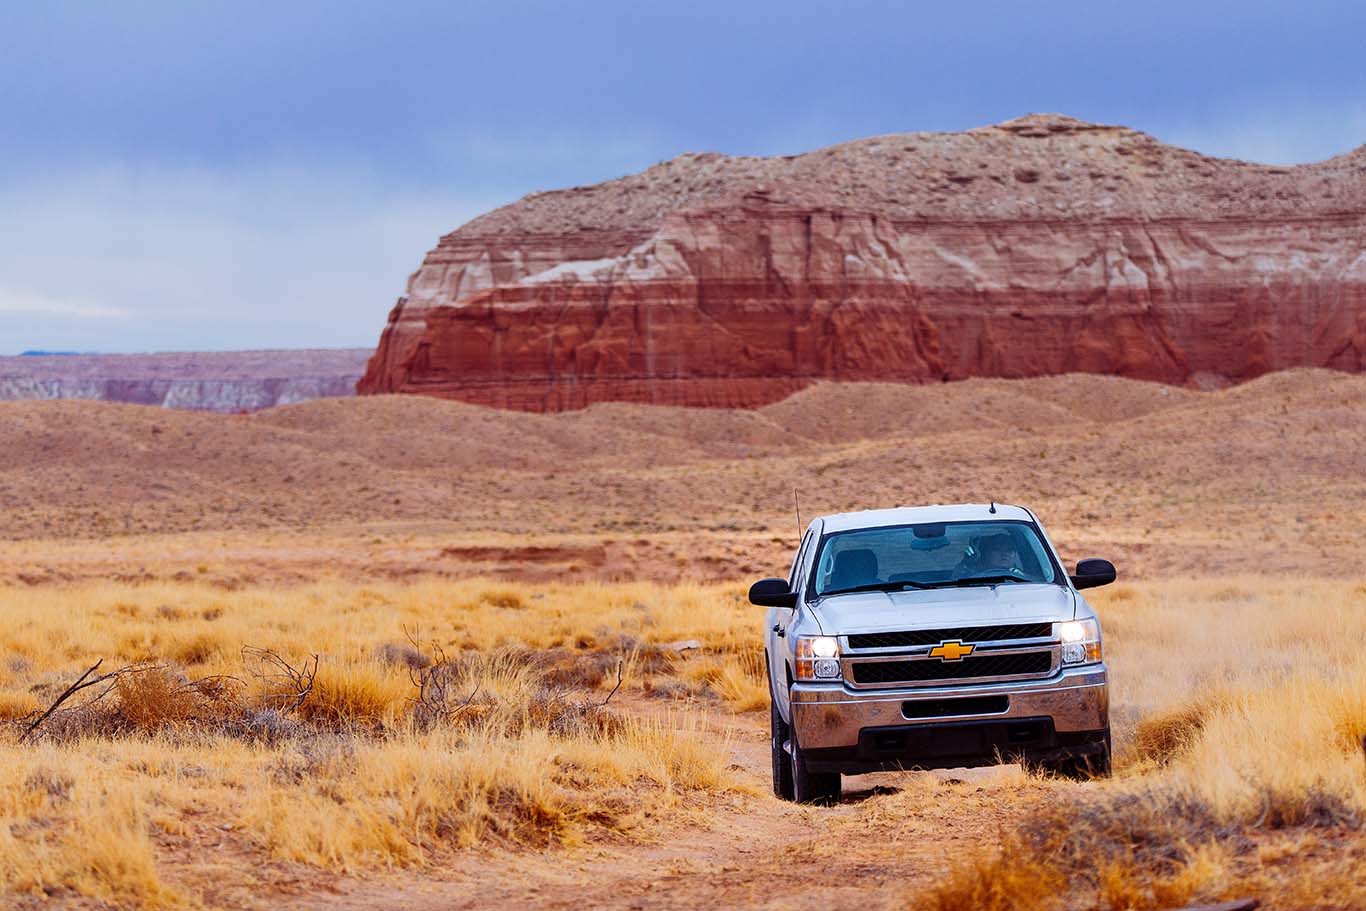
[399, 652]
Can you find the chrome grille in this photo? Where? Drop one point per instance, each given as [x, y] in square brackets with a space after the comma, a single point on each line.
[902, 638]
[1012, 664]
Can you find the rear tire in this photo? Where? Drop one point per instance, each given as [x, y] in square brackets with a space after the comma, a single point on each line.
[820, 788]
[778, 735]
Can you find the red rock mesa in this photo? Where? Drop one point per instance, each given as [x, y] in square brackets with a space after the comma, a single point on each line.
[1039, 246]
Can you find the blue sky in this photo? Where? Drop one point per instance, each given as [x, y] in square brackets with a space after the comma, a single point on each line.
[180, 176]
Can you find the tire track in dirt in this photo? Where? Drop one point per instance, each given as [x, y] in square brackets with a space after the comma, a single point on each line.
[891, 836]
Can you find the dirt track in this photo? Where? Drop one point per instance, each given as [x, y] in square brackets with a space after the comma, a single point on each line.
[885, 840]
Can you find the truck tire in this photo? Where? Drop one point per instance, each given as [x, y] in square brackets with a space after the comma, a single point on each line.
[1081, 768]
[778, 735]
[821, 788]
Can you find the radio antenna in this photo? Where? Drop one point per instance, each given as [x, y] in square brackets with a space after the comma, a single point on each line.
[797, 506]
[992, 510]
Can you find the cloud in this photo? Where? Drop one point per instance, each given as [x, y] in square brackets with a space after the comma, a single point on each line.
[12, 301]
[212, 259]
[1274, 132]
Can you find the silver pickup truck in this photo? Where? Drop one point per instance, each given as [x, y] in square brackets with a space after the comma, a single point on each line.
[932, 637]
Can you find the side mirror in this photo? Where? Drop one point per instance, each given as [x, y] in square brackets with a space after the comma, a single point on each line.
[1091, 573]
[772, 593]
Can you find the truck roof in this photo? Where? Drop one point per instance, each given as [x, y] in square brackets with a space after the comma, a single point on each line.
[910, 515]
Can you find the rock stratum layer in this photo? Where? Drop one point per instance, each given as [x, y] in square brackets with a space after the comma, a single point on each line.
[222, 381]
[1040, 246]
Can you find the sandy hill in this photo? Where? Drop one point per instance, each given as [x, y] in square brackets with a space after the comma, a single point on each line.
[1160, 476]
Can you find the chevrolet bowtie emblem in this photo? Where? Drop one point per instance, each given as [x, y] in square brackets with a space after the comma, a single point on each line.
[951, 651]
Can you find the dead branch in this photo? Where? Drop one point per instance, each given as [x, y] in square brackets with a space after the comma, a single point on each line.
[84, 682]
[615, 688]
[70, 691]
[290, 685]
[434, 684]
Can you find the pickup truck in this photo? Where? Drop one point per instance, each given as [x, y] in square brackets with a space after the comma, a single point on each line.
[932, 637]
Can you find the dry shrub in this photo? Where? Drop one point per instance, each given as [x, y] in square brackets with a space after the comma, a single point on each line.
[562, 667]
[196, 648]
[505, 692]
[743, 682]
[1140, 849]
[705, 671]
[364, 694]
[400, 654]
[1348, 714]
[1123, 885]
[1144, 828]
[1007, 878]
[506, 598]
[1162, 737]
[149, 700]
[155, 699]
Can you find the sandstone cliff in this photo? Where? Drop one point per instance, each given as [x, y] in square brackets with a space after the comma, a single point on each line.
[1039, 246]
[223, 381]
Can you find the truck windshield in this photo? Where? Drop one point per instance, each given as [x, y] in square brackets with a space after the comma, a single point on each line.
[932, 555]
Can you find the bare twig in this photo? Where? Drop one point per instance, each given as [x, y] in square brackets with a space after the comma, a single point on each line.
[468, 700]
[297, 682]
[80, 684]
[84, 682]
[615, 688]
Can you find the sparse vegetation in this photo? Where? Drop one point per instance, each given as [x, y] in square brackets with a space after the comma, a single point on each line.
[1249, 712]
[446, 715]
[592, 719]
[338, 747]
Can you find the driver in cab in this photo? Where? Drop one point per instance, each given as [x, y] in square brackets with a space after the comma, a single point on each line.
[999, 556]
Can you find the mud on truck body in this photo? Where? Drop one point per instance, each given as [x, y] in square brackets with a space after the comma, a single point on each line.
[932, 637]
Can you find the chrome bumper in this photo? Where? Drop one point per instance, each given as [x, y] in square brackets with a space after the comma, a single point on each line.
[832, 715]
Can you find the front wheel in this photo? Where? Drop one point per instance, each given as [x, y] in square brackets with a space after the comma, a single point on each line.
[821, 788]
[778, 736]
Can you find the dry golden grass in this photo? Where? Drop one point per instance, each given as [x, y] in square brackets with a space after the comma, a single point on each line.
[1008, 879]
[518, 752]
[1240, 707]
[203, 630]
[363, 772]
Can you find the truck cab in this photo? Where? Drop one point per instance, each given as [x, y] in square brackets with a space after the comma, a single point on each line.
[932, 637]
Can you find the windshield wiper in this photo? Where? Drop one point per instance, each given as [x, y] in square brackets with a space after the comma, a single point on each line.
[978, 580]
[876, 587]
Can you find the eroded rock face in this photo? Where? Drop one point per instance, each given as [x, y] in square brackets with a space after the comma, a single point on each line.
[223, 381]
[1044, 245]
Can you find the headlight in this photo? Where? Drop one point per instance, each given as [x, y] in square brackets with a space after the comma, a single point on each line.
[1081, 642]
[818, 658]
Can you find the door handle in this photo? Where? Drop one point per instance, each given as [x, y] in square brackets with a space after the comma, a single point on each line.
[777, 628]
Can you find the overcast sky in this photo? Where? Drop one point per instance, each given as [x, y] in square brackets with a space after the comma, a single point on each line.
[181, 176]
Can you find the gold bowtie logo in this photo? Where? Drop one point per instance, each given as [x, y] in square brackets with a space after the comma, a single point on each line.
[951, 651]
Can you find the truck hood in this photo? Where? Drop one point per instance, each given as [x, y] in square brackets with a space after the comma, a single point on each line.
[970, 606]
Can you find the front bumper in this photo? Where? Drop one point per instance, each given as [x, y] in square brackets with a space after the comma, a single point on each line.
[842, 729]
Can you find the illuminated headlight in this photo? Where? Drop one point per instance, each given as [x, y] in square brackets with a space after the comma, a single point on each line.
[818, 658]
[1081, 642]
